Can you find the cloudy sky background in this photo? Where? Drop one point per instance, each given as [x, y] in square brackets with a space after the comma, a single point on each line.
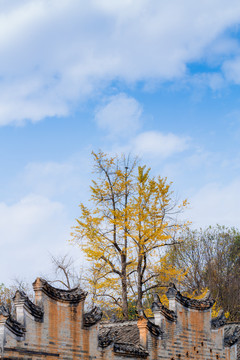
[160, 79]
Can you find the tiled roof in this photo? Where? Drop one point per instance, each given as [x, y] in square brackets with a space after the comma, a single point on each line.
[121, 331]
[124, 336]
[232, 335]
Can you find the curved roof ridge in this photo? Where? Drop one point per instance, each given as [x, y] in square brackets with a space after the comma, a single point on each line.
[74, 295]
[198, 304]
[13, 325]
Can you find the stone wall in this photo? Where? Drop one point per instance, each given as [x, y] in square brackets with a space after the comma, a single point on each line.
[190, 333]
[52, 328]
[56, 327]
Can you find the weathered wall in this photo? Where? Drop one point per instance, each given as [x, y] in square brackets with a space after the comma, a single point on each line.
[56, 327]
[60, 334]
[188, 330]
[190, 337]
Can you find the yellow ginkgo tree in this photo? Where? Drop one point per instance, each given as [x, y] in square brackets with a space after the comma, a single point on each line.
[132, 216]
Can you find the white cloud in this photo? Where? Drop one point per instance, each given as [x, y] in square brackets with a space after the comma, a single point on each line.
[65, 179]
[35, 224]
[29, 230]
[198, 82]
[231, 70]
[25, 215]
[48, 178]
[155, 143]
[120, 116]
[215, 204]
[55, 53]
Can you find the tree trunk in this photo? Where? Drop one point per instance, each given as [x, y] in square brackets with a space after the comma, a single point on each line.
[140, 296]
[124, 299]
[124, 287]
[139, 285]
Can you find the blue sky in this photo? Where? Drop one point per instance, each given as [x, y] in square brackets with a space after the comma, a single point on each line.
[156, 78]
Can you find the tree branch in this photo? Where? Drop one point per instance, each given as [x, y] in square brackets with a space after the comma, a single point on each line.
[153, 287]
[116, 301]
[150, 277]
[111, 265]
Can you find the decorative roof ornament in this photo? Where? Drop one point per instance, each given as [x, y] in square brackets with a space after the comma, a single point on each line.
[92, 317]
[219, 320]
[105, 339]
